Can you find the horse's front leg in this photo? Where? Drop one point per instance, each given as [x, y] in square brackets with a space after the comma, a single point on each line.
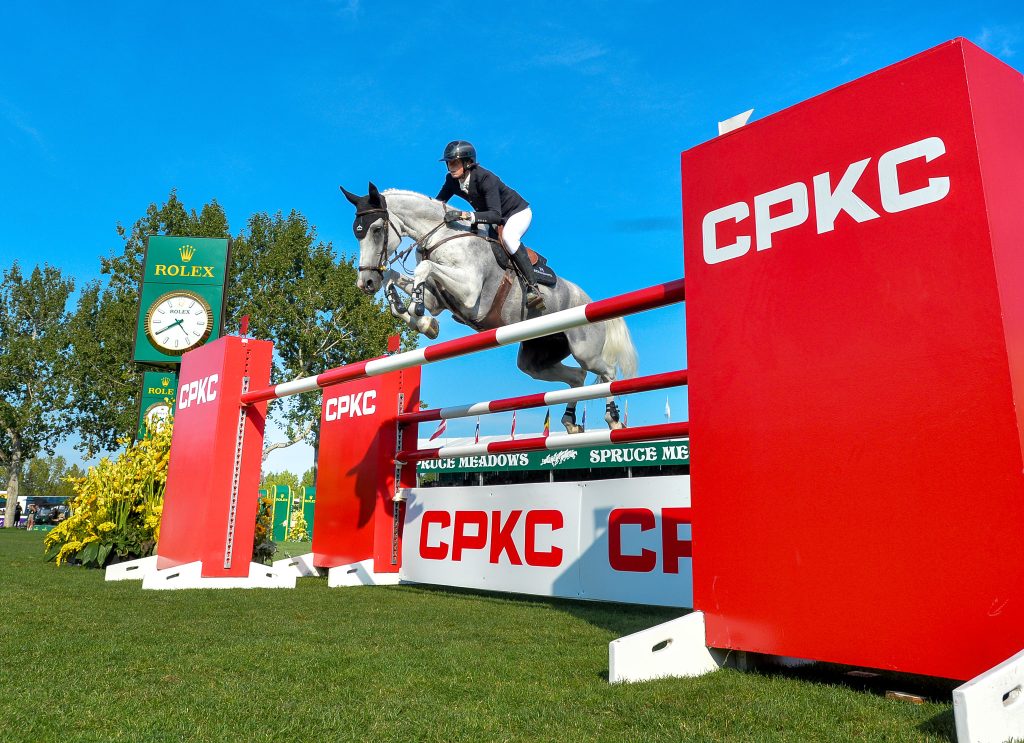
[460, 285]
[396, 303]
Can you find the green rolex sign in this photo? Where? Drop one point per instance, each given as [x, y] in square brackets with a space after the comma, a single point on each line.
[182, 296]
[156, 403]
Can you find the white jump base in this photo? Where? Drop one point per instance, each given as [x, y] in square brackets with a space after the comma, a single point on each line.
[359, 574]
[990, 707]
[300, 566]
[672, 649]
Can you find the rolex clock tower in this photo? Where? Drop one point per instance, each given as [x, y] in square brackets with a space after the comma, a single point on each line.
[181, 307]
[182, 297]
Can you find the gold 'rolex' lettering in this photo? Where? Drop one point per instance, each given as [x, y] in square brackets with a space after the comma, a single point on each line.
[182, 271]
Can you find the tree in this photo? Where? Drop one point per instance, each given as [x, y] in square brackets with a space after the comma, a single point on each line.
[104, 378]
[272, 479]
[33, 391]
[49, 476]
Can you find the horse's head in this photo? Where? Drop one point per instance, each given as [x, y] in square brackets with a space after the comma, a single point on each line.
[377, 236]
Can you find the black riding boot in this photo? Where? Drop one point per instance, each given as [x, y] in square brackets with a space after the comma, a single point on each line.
[533, 298]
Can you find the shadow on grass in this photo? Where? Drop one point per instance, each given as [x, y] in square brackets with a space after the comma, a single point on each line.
[878, 683]
[616, 619]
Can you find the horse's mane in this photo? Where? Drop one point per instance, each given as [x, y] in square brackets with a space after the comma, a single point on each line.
[403, 192]
[438, 206]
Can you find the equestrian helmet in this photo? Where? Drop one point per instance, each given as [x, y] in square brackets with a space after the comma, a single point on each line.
[460, 150]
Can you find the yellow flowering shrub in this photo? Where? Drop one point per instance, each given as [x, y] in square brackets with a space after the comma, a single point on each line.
[299, 530]
[117, 506]
[263, 546]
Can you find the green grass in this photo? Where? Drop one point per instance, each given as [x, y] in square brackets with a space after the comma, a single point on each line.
[109, 662]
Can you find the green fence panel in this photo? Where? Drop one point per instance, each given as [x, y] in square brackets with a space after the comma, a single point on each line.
[282, 512]
[308, 507]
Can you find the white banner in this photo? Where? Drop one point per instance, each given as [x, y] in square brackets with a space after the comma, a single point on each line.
[609, 540]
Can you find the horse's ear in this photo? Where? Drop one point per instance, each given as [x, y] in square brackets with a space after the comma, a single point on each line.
[374, 195]
[352, 198]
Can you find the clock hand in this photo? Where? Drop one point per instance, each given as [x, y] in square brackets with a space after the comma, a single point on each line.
[176, 322]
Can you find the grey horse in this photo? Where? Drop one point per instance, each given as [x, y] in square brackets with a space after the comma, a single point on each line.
[456, 271]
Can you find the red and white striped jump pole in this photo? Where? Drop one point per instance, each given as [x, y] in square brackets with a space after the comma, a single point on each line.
[554, 441]
[540, 399]
[641, 300]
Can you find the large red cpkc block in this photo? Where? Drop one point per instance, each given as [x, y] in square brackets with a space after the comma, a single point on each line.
[855, 330]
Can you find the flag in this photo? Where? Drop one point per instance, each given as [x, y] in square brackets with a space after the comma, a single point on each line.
[547, 423]
[668, 411]
[513, 424]
[583, 422]
[476, 436]
[625, 415]
[441, 428]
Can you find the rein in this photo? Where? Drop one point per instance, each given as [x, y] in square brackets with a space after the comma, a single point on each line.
[418, 244]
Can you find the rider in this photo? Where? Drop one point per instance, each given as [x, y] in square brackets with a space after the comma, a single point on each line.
[495, 203]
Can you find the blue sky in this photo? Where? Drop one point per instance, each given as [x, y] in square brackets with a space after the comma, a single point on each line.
[582, 107]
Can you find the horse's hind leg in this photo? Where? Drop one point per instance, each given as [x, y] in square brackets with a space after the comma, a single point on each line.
[586, 345]
[544, 361]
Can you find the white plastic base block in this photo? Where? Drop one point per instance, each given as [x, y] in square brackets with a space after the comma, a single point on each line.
[301, 566]
[675, 648]
[132, 570]
[359, 574]
[990, 707]
[190, 575]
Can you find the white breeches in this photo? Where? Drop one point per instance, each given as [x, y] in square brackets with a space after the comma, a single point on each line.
[514, 229]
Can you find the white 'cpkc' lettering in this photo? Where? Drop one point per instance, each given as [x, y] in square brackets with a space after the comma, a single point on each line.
[828, 201]
[353, 405]
[198, 392]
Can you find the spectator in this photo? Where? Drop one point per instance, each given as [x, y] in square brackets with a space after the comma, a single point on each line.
[17, 513]
[31, 517]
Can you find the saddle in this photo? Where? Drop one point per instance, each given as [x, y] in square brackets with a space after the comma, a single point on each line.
[541, 270]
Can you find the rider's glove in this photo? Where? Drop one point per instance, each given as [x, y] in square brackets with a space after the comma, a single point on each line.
[452, 216]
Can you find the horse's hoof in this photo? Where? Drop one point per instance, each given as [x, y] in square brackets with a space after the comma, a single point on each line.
[572, 428]
[432, 329]
[616, 425]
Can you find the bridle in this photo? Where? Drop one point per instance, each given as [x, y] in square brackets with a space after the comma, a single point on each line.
[419, 244]
[382, 261]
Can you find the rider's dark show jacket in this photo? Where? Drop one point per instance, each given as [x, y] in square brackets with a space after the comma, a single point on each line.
[492, 200]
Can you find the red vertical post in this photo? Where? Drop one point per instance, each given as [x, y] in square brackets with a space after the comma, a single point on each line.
[356, 477]
[211, 501]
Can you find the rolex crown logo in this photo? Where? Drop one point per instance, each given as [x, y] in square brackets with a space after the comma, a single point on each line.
[186, 251]
[165, 381]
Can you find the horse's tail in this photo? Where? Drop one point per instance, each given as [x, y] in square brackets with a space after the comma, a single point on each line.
[618, 348]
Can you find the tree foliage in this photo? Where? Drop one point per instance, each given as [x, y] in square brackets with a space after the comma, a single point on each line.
[272, 479]
[49, 476]
[33, 391]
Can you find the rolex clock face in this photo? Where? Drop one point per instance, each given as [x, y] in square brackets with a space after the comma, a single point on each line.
[178, 321]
